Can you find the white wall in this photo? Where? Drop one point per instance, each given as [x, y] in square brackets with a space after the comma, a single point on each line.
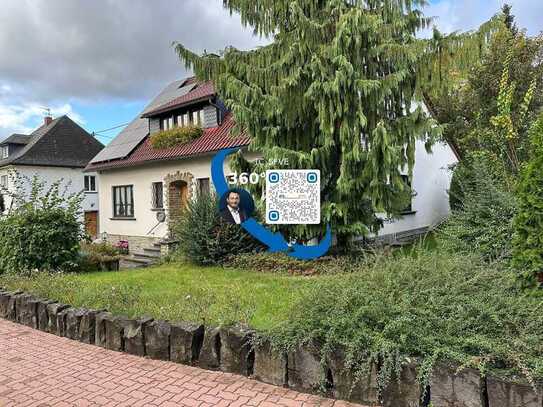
[141, 177]
[73, 178]
[431, 182]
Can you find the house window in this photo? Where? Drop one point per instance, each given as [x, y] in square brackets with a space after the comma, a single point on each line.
[167, 123]
[5, 152]
[157, 195]
[201, 117]
[203, 186]
[180, 121]
[409, 207]
[90, 183]
[123, 201]
[4, 181]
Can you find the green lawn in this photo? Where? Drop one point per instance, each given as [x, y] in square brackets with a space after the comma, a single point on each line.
[176, 292]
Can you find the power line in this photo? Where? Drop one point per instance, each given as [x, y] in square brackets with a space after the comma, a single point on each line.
[112, 128]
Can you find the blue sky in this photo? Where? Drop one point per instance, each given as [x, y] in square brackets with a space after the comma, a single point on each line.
[102, 68]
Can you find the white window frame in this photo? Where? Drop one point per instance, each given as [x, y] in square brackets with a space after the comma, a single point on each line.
[87, 185]
[5, 152]
[157, 198]
[4, 181]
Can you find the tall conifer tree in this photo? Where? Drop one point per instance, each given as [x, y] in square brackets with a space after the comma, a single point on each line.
[336, 90]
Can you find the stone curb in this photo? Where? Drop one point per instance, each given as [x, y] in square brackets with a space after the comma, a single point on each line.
[235, 349]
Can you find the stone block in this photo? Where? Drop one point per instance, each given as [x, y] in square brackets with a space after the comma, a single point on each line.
[403, 391]
[503, 393]
[237, 355]
[157, 339]
[7, 304]
[73, 322]
[100, 328]
[87, 327]
[43, 317]
[451, 389]
[114, 326]
[23, 309]
[62, 322]
[210, 353]
[133, 335]
[343, 383]
[270, 365]
[185, 342]
[53, 310]
[304, 368]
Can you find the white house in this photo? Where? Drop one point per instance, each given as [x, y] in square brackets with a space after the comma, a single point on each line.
[58, 150]
[141, 188]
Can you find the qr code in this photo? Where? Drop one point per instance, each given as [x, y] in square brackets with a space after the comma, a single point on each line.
[293, 197]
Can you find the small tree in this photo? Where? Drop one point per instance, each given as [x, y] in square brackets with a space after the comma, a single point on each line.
[43, 228]
[528, 223]
[204, 238]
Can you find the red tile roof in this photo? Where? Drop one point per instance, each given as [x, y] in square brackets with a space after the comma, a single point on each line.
[213, 139]
[201, 92]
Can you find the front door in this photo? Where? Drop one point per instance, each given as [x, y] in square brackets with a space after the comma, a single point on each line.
[91, 224]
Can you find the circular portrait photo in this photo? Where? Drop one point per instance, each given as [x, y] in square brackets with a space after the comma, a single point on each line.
[236, 206]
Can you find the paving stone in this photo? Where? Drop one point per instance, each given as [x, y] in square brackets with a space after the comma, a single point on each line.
[133, 335]
[42, 369]
[451, 389]
[52, 314]
[511, 394]
[157, 340]
[237, 355]
[185, 342]
[270, 365]
[210, 354]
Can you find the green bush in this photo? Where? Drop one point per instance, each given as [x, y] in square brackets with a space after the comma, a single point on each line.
[432, 307]
[528, 222]
[44, 230]
[176, 136]
[204, 238]
[483, 222]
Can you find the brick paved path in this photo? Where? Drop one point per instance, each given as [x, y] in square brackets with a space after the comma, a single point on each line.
[39, 369]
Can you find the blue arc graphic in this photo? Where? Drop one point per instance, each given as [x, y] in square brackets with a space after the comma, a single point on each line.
[275, 241]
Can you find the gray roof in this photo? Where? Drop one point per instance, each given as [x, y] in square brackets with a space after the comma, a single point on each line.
[132, 135]
[16, 139]
[61, 143]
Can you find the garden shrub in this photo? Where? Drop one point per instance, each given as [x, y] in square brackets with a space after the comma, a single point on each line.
[44, 230]
[432, 307]
[483, 222]
[205, 238]
[528, 222]
[176, 136]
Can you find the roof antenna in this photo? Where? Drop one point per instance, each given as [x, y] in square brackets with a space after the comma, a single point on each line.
[47, 118]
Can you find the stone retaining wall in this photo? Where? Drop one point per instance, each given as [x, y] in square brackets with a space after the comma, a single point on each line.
[233, 350]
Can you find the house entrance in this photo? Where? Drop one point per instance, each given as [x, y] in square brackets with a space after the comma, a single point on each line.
[179, 193]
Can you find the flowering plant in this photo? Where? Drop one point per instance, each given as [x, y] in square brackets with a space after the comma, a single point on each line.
[122, 246]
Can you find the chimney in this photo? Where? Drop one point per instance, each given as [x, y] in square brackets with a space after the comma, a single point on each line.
[47, 120]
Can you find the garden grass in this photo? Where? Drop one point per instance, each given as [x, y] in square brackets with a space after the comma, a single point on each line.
[176, 291]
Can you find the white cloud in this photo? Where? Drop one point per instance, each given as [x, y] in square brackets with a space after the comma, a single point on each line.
[26, 117]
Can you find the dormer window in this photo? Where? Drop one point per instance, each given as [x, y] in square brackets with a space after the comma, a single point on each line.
[5, 152]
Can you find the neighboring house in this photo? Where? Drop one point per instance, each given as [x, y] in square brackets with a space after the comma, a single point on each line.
[58, 150]
[142, 190]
